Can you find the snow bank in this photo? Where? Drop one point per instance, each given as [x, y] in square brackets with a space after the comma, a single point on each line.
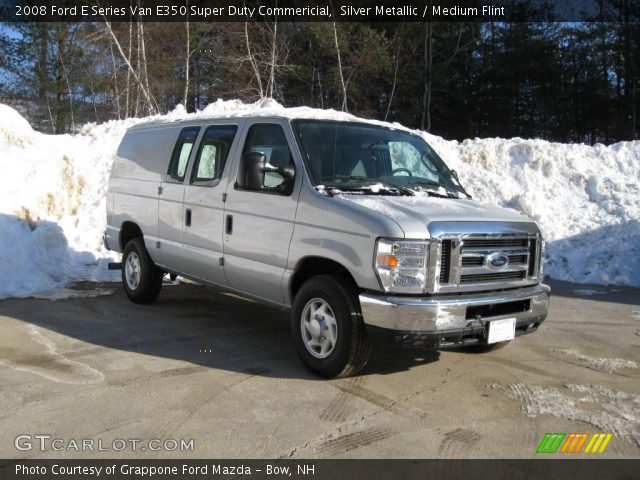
[52, 205]
[585, 199]
[52, 196]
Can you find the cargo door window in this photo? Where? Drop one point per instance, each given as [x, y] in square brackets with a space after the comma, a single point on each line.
[212, 154]
[181, 152]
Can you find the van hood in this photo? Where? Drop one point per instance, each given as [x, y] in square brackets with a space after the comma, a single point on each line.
[413, 214]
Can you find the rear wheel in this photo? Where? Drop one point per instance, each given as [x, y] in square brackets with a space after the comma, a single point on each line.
[141, 278]
[327, 328]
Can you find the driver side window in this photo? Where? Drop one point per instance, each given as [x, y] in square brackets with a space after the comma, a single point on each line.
[269, 140]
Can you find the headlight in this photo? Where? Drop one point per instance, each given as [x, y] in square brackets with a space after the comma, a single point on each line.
[401, 265]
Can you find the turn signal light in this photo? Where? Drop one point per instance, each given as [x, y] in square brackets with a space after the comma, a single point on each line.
[387, 260]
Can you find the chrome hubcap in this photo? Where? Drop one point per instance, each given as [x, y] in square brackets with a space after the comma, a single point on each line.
[132, 271]
[319, 328]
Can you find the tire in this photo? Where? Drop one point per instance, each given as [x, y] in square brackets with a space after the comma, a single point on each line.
[327, 328]
[141, 279]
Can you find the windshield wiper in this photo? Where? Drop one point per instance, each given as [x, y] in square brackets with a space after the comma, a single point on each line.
[387, 186]
[434, 192]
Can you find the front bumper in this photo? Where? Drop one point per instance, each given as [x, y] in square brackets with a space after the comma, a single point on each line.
[451, 320]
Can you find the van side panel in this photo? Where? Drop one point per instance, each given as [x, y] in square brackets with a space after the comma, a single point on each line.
[144, 154]
[140, 208]
[332, 228]
[140, 163]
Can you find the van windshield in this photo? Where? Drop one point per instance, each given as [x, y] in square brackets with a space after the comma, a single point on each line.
[356, 156]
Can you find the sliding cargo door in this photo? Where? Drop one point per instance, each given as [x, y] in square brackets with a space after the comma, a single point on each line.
[204, 204]
[170, 202]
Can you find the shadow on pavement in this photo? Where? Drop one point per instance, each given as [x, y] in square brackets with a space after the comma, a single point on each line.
[193, 324]
[600, 293]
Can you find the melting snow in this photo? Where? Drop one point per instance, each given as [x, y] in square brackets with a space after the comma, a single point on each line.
[609, 365]
[606, 409]
[587, 292]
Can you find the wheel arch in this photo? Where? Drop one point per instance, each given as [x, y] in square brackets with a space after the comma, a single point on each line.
[313, 266]
[129, 230]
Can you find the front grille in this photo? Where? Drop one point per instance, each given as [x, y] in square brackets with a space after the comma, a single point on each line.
[478, 261]
[471, 261]
[445, 261]
[492, 277]
[496, 242]
[532, 258]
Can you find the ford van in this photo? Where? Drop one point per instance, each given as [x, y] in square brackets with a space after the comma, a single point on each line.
[358, 229]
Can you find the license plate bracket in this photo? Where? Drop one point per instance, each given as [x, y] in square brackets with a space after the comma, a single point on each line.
[501, 330]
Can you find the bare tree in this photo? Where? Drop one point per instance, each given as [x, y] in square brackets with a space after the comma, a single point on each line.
[252, 60]
[153, 107]
[395, 73]
[272, 71]
[344, 86]
[430, 74]
[425, 120]
[128, 85]
[141, 86]
[66, 79]
[115, 80]
[187, 61]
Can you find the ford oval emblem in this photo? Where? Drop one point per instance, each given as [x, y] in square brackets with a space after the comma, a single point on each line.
[498, 260]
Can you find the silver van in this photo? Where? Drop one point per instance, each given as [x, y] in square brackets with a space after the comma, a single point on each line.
[359, 229]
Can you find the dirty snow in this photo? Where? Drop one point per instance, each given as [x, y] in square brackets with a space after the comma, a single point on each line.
[608, 365]
[52, 196]
[588, 292]
[64, 293]
[607, 409]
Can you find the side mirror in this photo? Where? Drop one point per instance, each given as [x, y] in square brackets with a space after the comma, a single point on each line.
[288, 173]
[455, 175]
[251, 171]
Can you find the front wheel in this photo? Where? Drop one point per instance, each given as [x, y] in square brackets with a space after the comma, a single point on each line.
[327, 328]
[141, 278]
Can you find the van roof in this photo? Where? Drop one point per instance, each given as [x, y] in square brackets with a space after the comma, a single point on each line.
[225, 110]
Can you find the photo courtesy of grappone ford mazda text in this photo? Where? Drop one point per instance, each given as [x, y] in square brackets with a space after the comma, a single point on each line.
[359, 229]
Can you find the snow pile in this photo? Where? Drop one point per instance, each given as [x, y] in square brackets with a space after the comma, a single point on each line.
[585, 199]
[53, 187]
[52, 205]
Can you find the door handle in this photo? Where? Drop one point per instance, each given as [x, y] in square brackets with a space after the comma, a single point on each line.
[228, 228]
[187, 217]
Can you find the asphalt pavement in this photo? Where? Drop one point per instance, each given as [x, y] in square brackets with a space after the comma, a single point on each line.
[204, 374]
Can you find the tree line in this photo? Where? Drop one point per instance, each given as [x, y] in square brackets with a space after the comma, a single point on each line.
[568, 82]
